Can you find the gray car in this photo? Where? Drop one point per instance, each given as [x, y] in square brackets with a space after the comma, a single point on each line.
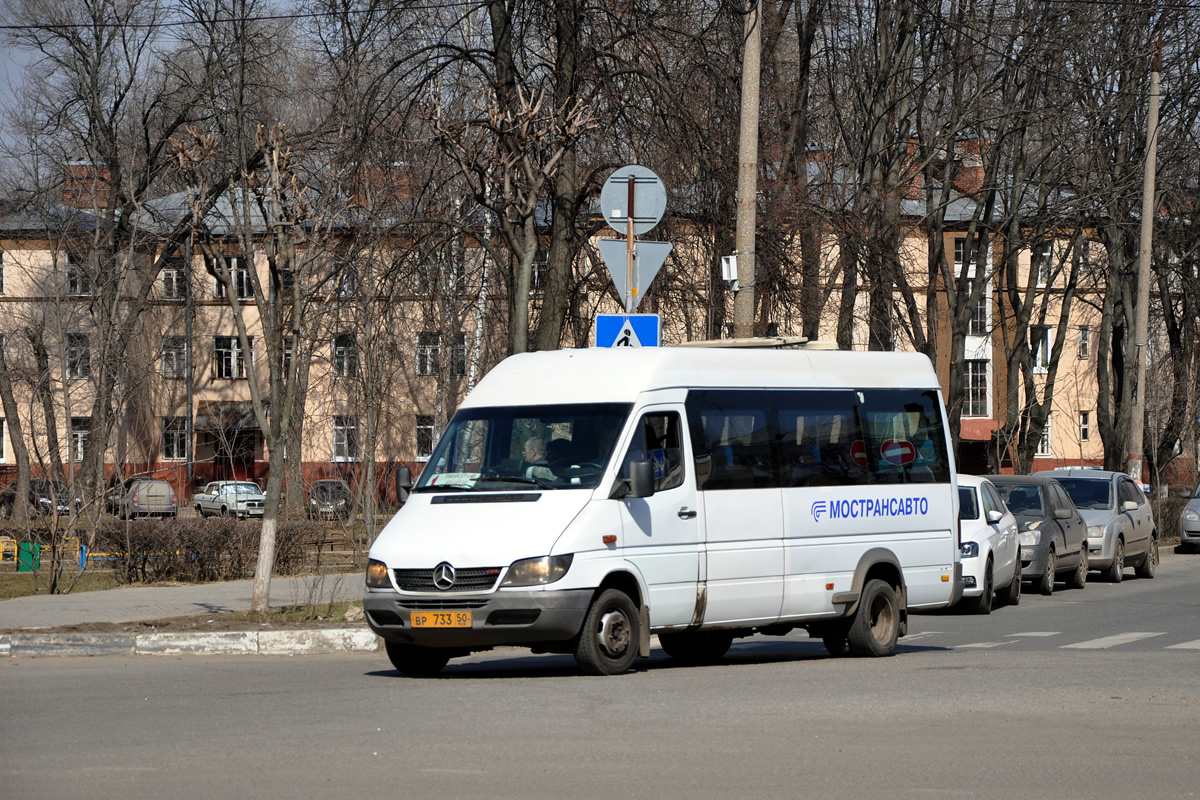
[147, 497]
[1120, 523]
[1052, 532]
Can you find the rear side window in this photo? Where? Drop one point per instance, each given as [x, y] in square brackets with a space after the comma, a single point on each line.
[758, 438]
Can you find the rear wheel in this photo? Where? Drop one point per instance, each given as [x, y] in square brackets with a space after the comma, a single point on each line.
[608, 643]
[1149, 564]
[696, 647]
[1116, 570]
[983, 603]
[412, 660]
[876, 623]
[1046, 582]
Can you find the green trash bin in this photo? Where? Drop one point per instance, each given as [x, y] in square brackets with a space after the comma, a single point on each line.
[29, 556]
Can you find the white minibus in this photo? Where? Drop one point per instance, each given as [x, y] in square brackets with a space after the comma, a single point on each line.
[580, 501]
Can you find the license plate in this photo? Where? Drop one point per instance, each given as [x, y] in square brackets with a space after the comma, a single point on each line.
[441, 619]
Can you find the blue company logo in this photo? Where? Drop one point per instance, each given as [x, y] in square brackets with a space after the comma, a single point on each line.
[881, 507]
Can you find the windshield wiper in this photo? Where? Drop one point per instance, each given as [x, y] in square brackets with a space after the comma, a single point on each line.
[442, 487]
[532, 481]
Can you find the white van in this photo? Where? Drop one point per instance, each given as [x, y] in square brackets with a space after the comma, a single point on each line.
[697, 494]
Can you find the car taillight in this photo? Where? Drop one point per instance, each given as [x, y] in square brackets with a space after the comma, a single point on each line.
[135, 497]
[174, 499]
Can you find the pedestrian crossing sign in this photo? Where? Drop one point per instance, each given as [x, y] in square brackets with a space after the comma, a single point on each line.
[628, 330]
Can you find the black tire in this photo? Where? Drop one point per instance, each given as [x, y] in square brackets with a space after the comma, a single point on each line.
[876, 624]
[1116, 570]
[1149, 564]
[1046, 582]
[696, 647]
[412, 660]
[1012, 594]
[1079, 576]
[983, 603]
[608, 643]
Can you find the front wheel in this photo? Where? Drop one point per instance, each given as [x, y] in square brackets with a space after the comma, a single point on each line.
[1012, 595]
[608, 643]
[1149, 564]
[412, 660]
[1046, 583]
[1079, 576]
[696, 647]
[1116, 570]
[983, 603]
[876, 624]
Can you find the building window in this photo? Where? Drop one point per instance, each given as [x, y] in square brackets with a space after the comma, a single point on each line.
[345, 356]
[424, 437]
[1085, 425]
[1040, 262]
[79, 357]
[345, 438]
[174, 357]
[962, 258]
[1085, 342]
[538, 271]
[230, 358]
[977, 389]
[238, 273]
[174, 439]
[429, 350]
[289, 352]
[1043, 446]
[458, 356]
[347, 279]
[174, 279]
[79, 283]
[1040, 340]
[79, 436]
[287, 285]
[978, 326]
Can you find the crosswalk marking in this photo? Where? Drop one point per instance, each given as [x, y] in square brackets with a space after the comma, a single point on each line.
[1106, 642]
[1036, 633]
[1192, 645]
[984, 644]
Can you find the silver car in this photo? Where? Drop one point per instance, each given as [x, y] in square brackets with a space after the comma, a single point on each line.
[1189, 523]
[1120, 523]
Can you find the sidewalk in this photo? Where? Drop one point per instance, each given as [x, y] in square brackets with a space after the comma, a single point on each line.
[26, 615]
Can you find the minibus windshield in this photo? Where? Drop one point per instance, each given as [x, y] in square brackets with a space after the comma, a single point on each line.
[503, 448]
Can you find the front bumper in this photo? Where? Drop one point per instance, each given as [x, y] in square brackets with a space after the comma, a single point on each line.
[1033, 561]
[1189, 533]
[497, 618]
[1100, 552]
[972, 574]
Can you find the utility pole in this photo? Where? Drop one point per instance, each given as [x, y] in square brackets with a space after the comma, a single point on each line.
[1136, 451]
[743, 299]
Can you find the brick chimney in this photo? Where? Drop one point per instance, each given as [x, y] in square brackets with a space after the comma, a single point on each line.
[85, 185]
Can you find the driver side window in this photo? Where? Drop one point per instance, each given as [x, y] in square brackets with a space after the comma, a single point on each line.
[658, 440]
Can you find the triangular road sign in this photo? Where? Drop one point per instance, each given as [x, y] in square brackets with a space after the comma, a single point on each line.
[648, 258]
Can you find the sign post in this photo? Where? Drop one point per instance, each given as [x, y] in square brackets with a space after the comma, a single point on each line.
[633, 201]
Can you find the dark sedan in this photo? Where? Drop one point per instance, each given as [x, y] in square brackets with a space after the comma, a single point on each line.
[1053, 534]
[329, 499]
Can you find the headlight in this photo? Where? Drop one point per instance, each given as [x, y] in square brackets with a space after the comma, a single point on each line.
[377, 575]
[312, 501]
[1031, 537]
[1095, 531]
[537, 571]
[1190, 516]
[970, 549]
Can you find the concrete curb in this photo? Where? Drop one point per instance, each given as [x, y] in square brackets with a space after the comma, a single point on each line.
[309, 641]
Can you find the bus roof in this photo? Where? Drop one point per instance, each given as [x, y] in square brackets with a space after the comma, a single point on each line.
[619, 375]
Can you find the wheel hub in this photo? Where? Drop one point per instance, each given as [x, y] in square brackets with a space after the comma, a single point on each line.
[614, 633]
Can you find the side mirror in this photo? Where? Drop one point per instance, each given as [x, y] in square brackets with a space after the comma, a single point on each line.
[1129, 505]
[1063, 513]
[994, 516]
[641, 479]
[404, 483]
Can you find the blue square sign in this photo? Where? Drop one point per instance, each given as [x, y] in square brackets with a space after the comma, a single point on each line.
[628, 330]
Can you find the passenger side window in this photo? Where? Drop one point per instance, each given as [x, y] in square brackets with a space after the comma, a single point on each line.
[731, 439]
[816, 434]
[904, 435]
[1129, 490]
[990, 491]
[1061, 500]
[659, 440]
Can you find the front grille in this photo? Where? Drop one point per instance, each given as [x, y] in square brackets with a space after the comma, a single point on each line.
[472, 579]
[441, 605]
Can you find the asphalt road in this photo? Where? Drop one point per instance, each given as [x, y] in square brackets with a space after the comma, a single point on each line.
[1087, 694]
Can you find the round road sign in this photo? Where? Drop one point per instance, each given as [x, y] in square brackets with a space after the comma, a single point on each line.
[634, 186]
